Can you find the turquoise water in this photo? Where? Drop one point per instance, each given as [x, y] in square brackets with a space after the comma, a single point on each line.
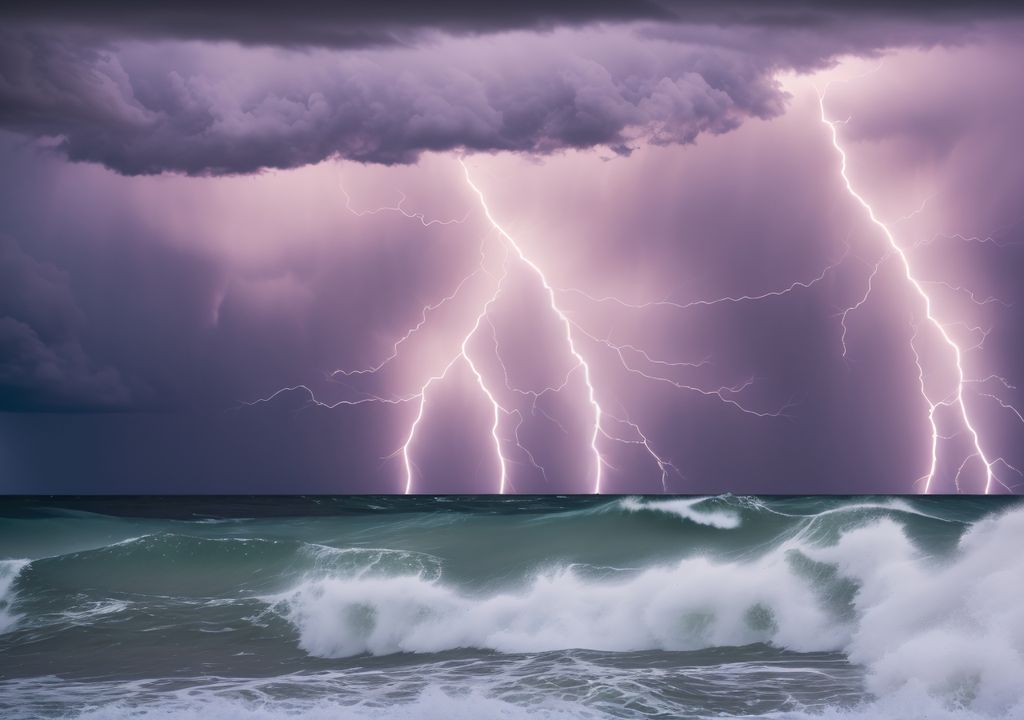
[574, 607]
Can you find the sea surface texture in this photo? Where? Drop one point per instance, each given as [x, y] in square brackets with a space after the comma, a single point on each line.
[519, 607]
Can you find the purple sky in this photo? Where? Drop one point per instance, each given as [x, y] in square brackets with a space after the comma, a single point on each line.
[192, 221]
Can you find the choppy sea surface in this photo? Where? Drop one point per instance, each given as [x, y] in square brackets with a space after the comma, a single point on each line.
[515, 607]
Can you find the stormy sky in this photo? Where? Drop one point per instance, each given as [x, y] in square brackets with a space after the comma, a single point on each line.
[215, 226]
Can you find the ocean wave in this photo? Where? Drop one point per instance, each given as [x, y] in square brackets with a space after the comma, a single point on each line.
[685, 508]
[148, 576]
[366, 562]
[87, 613]
[890, 505]
[9, 571]
[954, 628]
[175, 547]
[911, 617]
[694, 604]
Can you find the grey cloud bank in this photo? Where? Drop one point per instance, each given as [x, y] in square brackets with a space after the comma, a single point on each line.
[209, 108]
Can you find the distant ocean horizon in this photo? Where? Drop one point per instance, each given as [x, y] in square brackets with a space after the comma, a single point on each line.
[541, 606]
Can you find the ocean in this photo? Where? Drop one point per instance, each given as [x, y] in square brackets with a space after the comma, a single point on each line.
[512, 607]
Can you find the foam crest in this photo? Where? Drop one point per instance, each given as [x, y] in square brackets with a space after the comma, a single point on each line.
[694, 604]
[9, 571]
[687, 509]
[954, 629]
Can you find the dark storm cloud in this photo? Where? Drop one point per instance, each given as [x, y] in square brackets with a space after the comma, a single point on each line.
[320, 22]
[217, 110]
[79, 74]
[347, 24]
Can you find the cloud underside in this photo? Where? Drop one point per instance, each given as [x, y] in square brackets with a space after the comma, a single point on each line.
[334, 23]
[102, 90]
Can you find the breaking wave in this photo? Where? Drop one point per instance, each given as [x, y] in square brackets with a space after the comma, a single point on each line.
[952, 628]
[687, 509]
[9, 570]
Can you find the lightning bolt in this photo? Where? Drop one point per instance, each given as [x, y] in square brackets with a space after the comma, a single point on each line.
[993, 239]
[710, 302]
[424, 316]
[566, 324]
[463, 354]
[496, 408]
[400, 209]
[957, 399]
[603, 424]
[859, 303]
[312, 399]
[607, 426]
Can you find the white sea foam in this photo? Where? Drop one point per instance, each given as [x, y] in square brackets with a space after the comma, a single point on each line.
[912, 702]
[9, 571]
[89, 612]
[951, 631]
[432, 704]
[955, 629]
[436, 703]
[694, 604]
[685, 508]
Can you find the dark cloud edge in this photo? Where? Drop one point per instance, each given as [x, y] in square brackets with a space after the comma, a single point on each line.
[50, 86]
[356, 24]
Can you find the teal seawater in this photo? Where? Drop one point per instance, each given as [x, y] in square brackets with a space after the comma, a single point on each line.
[528, 606]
